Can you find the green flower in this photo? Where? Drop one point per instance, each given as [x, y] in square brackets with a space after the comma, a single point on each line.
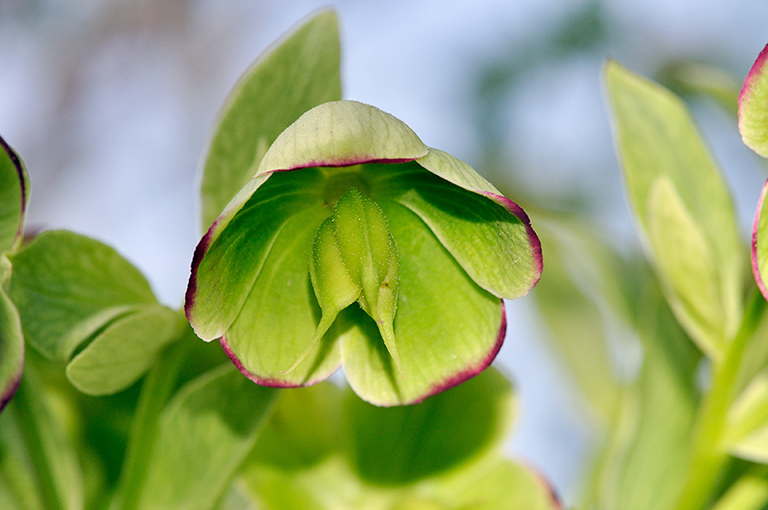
[355, 244]
[14, 194]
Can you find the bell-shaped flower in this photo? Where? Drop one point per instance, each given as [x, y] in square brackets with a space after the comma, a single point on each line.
[355, 244]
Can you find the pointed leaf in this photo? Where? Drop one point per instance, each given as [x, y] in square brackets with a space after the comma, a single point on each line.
[11, 349]
[747, 432]
[753, 106]
[67, 286]
[656, 139]
[296, 74]
[121, 353]
[204, 435]
[14, 194]
[448, 328]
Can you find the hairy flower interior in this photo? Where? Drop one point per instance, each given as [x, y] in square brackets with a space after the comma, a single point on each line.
[354, 258]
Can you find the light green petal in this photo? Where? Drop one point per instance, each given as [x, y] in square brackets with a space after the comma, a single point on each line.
[14, 193]
[495, 247]
[447, 328]
[228, 260]
[11, 348]
[342, 133]
[753, 106]
[279, 317]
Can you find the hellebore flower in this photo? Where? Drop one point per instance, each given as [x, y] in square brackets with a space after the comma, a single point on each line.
[349, 206]
[753, 126]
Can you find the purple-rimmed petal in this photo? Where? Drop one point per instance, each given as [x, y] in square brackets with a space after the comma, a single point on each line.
[759, 248]
[339, 134]
[753, 106]
[11, 349]
[14, 193]
[447, 328]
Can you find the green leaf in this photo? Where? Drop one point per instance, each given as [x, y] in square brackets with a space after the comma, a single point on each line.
[296, 74]
[204, 435]
[123, 351]
[746, 435]
[753, 105]
[11, 349]
[670, 175]
[400, 445]
[39, 465]
[323, 448]
[448, 328]
[14, 194]
[581, 299]
[645, 462]
[67, 287]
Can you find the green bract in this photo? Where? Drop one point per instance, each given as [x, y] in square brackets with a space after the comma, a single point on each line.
[348, 205]
[14, 193]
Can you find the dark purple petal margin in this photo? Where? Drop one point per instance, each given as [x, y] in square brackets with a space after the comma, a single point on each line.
[200, 250]
[755, 227]
[359, 160]
[533, 239]
[753, 74]
[13, 385]
[272, 383]
[472, 370]
[22, 183]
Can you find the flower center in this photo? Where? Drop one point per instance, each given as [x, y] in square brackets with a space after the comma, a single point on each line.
[338, 184]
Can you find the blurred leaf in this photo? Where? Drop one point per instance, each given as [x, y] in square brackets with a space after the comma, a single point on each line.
[441, 454]
[749, 492]
[296, 74]
[204, 435]
[582, 299]
[11, 348]
[14, 193]
[67, 287]
[747, 431]
[123, 351]
[644, 465]
[707, 80]
[674, 186]
[39, 466]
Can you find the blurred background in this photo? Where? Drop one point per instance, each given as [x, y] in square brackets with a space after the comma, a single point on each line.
[110, 103]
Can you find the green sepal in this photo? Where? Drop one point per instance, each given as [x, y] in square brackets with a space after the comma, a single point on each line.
[14, 195]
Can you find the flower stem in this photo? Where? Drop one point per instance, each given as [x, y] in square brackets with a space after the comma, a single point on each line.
[709, 452]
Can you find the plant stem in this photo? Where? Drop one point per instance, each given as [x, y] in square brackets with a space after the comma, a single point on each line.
[709, 452]
[155, 392]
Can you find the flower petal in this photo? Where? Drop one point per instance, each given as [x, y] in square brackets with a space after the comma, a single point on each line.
[230, 256]
[753, 106]
[448, 328]
[491, 241]
[14, 192]
[11, 349]
[342, 133]
[279, 316]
